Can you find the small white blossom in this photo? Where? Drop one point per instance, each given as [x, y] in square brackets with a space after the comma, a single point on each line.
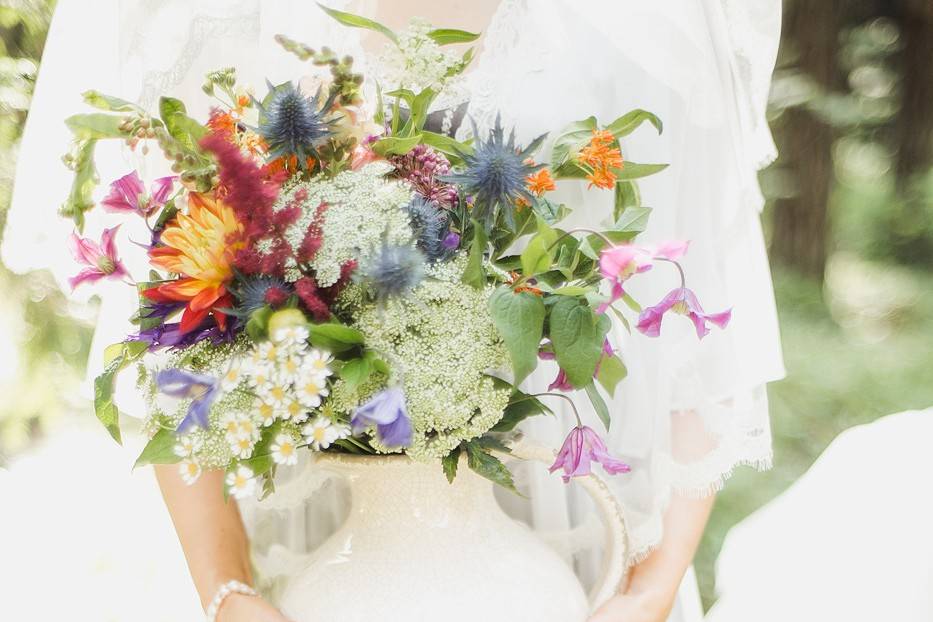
[284, 450]
[317, 363]
[289, 369]
[311, 390]
[233, 376]
[260, 376]
[187, 446]
[321, 432]
[276, 394]
[266, 412]
[242, 446]
[189, 470]
[290, 336]
[293, 410]
[241, 483]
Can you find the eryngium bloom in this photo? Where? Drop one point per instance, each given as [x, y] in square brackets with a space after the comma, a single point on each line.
[254, 292]
[494, 174]
[293, 124]
[393, 271]
[431, 225]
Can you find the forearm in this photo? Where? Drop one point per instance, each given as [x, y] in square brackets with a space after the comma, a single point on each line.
[658, 577]
[209, 528]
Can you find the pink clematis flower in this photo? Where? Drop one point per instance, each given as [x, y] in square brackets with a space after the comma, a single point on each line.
[101, 259]
[582, 447]
[128, 194]
[618, 263]
[684, 302]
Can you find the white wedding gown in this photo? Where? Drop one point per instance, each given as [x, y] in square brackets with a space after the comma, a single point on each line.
[689, 411]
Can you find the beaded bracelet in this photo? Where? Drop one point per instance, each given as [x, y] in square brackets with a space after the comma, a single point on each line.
[228, 588]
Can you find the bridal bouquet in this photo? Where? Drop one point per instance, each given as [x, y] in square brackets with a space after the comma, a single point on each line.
[326, 279]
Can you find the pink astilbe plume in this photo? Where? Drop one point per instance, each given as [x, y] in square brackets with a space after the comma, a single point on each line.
[243, 186]
[314, 236]
[310, 295]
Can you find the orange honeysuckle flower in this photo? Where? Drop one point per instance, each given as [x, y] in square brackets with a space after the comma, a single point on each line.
[540, 182]
[602, 178]
[200, 247]
[599, 157]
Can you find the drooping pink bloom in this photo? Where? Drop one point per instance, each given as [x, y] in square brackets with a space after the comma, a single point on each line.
[361, 156]
[128, 194]
[618, 263]
[582, 447]
[101, 259]
[684, 302]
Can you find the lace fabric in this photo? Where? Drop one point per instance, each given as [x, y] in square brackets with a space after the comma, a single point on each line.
[704, 67]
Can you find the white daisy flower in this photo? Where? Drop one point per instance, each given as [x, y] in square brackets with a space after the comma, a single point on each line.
[247, 427]
[189, 470]
[291, 336]
[242, 446]
[292, 409]
[284, 450]
[276, 394]
[289, 369]
[321, 432]
[311, 390]
[230, 424]
[241, 483]
[187, 445]
[266, 411]
[233, 376]
[260, 377]
[317, 363]
[267, 352]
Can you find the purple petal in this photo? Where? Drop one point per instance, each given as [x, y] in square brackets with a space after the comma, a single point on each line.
[107, 245]
[84, 250]
[180, 383]
[560, 383]
[161, 188]
[88, 274]
[124, 194]
[649, 322]
[396, 434]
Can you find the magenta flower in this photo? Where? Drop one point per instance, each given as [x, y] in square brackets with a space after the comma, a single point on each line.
[101, 259]
[128, 194]
[581, 448]
[618, 263]
[684, 302]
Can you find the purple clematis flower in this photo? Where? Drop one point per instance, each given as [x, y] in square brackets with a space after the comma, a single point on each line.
[202, 390]
[561, 383]
[386, 410]
[684, 302]
[128, 194]
[618, 263]
[101, 259]
[582, 447]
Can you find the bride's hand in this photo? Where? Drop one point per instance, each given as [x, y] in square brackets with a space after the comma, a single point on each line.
[243, 608]
[633, 608]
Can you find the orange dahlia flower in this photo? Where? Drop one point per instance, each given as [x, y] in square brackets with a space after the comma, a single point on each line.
[199, 247]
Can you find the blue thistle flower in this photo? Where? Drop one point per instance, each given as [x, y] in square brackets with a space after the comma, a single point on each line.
[393, 270]
[431, 225]
[293, 124]
[495, 173]
[253, 293]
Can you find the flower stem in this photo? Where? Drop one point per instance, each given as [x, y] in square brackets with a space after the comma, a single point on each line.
[560, 395]
[680, 269]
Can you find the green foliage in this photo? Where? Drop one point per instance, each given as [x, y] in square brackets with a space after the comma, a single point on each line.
[484, 463]
[450, 462]
[519, 318]
[357, 21]
[578, 335]
[116, 358]
[334, 337]
[160, 449]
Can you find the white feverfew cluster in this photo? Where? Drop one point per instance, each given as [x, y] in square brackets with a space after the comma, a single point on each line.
[441, 342]
[364, 208]
[418, 62]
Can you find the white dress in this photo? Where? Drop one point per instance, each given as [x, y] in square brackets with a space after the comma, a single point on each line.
[690, 411]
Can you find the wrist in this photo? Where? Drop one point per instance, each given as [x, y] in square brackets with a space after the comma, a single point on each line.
[225, 594]
[652, 598]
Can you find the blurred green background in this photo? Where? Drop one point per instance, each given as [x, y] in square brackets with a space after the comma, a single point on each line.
[849, 223]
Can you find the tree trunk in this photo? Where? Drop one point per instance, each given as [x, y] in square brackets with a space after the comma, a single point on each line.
[805, 141]
[914, 125]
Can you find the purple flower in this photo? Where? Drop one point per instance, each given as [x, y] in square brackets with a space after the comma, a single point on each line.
[128, 194]
[581, 448]
[619, 263]
[101, 259]
[386, 410]
[200, 389]
[451, 241]
[684, 302]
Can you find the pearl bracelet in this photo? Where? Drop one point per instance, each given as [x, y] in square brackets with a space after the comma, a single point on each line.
[228, 588]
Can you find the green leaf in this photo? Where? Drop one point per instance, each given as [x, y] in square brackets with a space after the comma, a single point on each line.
[257, 326]
[599, 405]
[627, 123]
[355, 372]
[474, 274]
[395, 145]
[159, 450]
[379, 118]
[450, 147]
[632, 220]
[95, 125]
[450, 462]
[611, 372]
[633, 170]
[357, 21]
[80, 198]
[550, 213]
[577, 334]
[488, 466]
[179, 125]
[446, 36]
[120, 358]
[570, 140]
[536, 257]
[626, 197]
[419, 108]
[334, 337]
[108, 102]
[573, 290]
[519, 318]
